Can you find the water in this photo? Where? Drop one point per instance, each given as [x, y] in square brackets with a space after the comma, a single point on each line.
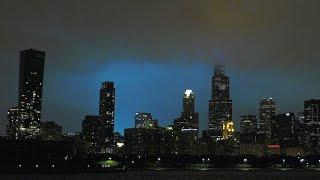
[170, 175]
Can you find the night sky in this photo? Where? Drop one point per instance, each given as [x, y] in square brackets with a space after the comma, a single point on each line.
[154, 50]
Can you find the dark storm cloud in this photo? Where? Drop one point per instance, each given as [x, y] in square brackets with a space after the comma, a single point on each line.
[81, 35]
[246, 33]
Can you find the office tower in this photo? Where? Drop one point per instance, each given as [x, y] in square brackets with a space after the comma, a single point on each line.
[50, 131]
[267, 111]
[106, 114]
[220, 105]
[282, 130]
[91, 133]
[143, 141]
[13, 123]
[27, 124]
[312, 124]
[144, 120]
[248, 124]
[186, 126]
[300, 130]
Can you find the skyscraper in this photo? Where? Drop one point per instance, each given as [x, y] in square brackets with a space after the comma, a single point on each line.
[220, 105]
[186, 126]
[312, 124]
[13, 123]
[91, 132]
[30, 95]
[282, 130]
[267, 111]
[248, 124]
[106, 114]
[144, 120]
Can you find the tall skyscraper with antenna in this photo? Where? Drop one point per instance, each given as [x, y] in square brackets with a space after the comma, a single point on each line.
[220, 105]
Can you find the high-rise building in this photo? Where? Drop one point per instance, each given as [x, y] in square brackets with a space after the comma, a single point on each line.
[282, 130]
[143, 141]
[50, 131]
[300, 130]
[30, 95]
[248, 124]
[220, 105]
[13, 123]
[107, 114]
[186, 126]
[144, 120]
[267, 111]
[91, 133]
[312, 124]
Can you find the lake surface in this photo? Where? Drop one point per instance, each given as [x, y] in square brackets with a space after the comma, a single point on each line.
[168, 175]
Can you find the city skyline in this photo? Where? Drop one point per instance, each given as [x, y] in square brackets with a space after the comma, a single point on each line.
[202, 122]
[270, 48]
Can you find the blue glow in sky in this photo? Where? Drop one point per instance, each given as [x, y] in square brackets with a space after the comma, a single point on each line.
[158, 88]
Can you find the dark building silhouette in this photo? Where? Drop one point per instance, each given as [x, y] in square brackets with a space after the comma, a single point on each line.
[144, 120]
[312, 124]
[119, 143]
[148, 138]
[220, 105]
[186, 126]
[91, 133]
[107, 114]
[50, 131]
[248, 124]
[282, 130]
[300, 130]
[13, 123]
[149, 141]
[142, 141]
[27, 124]
[266, 112]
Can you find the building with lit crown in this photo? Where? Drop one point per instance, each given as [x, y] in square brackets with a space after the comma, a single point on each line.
[186, 126]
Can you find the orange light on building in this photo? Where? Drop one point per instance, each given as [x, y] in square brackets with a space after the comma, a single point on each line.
[228, 129]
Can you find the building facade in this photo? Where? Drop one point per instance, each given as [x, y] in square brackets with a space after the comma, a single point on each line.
[27, 123]
[266, 112]
[144, 120]
[91, 133]
[50, 131]
[186, 126]
[107, 114]
[14, 124]
[220, 105]
[282, 130]
[248, 124]
[312, 124]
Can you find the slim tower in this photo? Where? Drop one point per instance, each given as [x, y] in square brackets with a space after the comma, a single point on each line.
[106, 115]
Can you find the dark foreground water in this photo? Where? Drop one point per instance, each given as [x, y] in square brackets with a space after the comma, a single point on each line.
[168, 175]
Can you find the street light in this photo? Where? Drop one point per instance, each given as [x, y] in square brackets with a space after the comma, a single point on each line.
[245, 161]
